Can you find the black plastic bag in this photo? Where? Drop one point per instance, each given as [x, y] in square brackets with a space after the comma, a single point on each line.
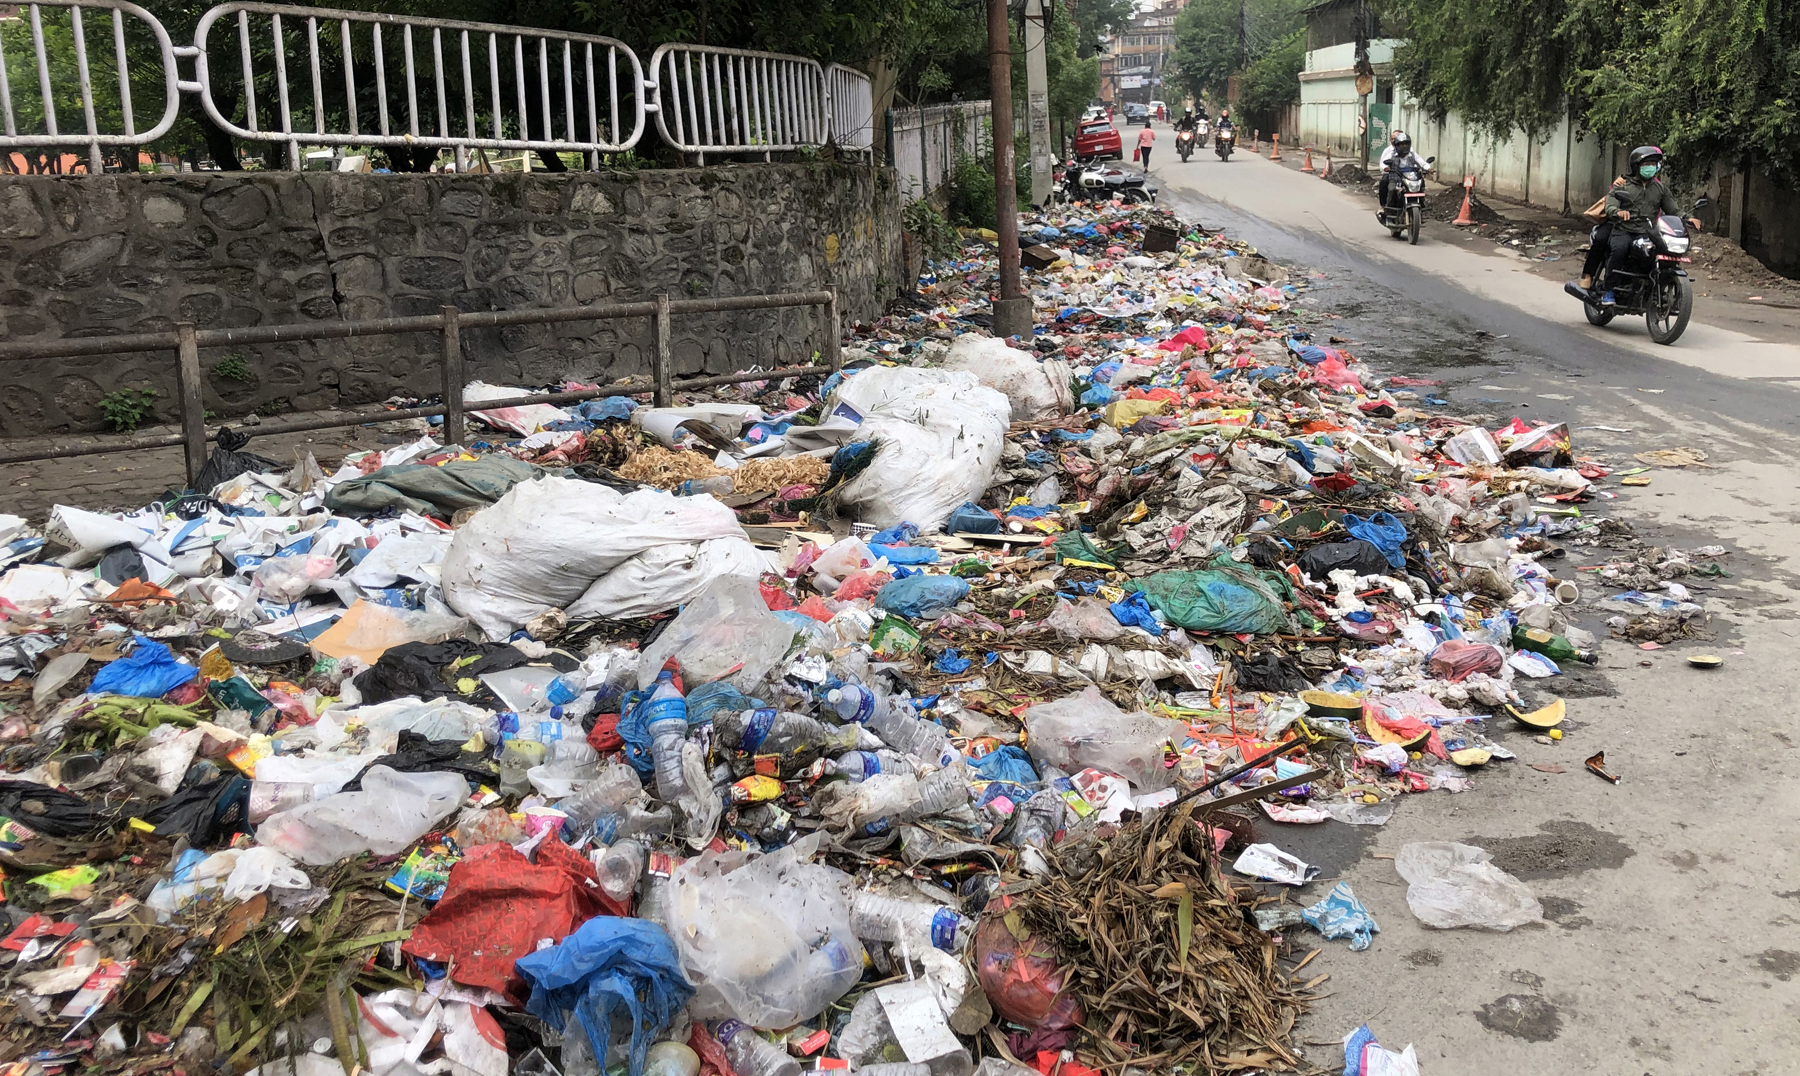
[418, 668]
[228, 460]
[1363, 558]
[50, 811]
[1270, 670]
[205, 813]
[415, 753]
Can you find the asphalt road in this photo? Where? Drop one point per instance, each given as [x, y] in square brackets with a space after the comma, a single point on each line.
[1673, 945]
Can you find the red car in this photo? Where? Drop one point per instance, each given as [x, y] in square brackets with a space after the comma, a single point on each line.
[1098, 138]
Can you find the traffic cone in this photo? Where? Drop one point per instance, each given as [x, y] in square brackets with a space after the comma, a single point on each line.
[1465, 218]
[1325, 172]
[1275, 152]
[1255, 140]
[1308, 166]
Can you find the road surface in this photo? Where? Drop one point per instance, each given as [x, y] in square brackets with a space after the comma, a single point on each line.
[1673, 945]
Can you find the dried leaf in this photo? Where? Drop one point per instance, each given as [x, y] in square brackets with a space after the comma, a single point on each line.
[1173, 889]
[240, 919]
[1548, 767]
[1184, 925]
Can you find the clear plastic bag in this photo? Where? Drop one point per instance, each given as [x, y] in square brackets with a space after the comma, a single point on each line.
[391, 812]
[764, 939]
[728, 626]
[366, 631]
[843, 559]
[288, 579]
[1085, 730]
[1455, 885]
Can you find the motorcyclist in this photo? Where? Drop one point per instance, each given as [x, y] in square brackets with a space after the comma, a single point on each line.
[1187, 122]
[1398, 154]
[1631, 205]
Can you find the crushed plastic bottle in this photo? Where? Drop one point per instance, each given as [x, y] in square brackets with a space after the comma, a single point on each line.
[619, 867]
[665, 718]
[877, 918]
[749, 1054]
[793, 738]
[616, 785]
[900, 730]
[862, 765]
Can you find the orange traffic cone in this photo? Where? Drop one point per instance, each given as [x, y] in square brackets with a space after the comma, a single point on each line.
[1275, 152]
[1465, 218]
[1325, 172]
[1308, 166]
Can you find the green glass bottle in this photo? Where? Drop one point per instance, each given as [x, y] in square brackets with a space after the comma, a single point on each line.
[1551, 645]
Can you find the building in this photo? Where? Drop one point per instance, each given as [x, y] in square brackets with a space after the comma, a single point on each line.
[1132, 66]
[1336, 112]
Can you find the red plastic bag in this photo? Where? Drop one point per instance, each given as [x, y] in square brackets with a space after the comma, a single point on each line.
[1458, 659]
[864, 584]
[1023, 979]
[497, 907]
[774, 595]
[1193, 334]
[814, 607]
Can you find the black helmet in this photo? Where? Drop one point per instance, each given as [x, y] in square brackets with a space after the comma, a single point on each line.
[1644, 155]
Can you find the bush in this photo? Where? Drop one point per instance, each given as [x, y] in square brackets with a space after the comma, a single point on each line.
[936, 234]
[126, 409]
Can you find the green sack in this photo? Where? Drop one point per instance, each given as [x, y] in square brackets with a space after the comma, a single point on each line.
[438, 492]
[1227, 598]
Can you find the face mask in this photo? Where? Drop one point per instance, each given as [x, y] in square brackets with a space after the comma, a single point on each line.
[1648, 171]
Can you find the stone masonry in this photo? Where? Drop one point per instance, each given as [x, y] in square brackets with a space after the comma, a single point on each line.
[85, 256]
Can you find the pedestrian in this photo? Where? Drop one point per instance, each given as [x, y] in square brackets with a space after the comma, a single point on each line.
[1146, 138]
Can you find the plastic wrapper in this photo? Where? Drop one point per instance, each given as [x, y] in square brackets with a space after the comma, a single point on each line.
[1456, 885]
[285, 580]
[367, 630]
[1086, 729]
[1457, 660]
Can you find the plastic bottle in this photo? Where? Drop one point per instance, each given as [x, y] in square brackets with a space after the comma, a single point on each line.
[944, 790]
[653, 900]
[1551, 645]
[749, 1054]
[861, 765]
[666, 720]
[900, 730]
[792, 737]
[616, 785]
[717, 486]
[517, 757]
[633, 820]
[874, 917]
[619, 868]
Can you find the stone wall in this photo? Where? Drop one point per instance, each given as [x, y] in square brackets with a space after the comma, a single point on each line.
[83, 256]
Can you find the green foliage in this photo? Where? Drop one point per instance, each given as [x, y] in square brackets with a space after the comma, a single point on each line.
[1272, 82]
[278, 405]
[1095, 17]
[125, 409]
[233, 368]
[969, 192]
[1215, 39]
[1711, 81]
[935, 233]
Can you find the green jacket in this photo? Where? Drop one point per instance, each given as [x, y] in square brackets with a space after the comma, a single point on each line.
[1646, 198]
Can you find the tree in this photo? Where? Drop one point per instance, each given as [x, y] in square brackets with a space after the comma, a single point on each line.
[1094, 18]
[1209, 47]
[1502, 64]
[1272, 82]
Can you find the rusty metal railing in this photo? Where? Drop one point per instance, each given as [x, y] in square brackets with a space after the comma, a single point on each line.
[186, 341]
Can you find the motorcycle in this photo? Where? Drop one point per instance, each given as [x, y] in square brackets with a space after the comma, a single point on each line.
[1225, 142]
[1102, 183]
[1405, 208]
[1200, 133]
[1651, 282]
[1184, 144]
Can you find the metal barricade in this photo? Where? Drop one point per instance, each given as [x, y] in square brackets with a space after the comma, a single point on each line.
[88, 92]
[478, 98]
[715, 100]
[852, 101]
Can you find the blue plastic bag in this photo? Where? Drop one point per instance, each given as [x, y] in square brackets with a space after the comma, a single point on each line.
[894, 535]
[1381, 530]
[950, 662]
[148, 672]
[1133, 611]
[922, 596]
[610, 965]
[1007, 763]
[1341, 915]
[612, 407]
[904, 554]
[709, 700]
[1098, 396]
[971, 518]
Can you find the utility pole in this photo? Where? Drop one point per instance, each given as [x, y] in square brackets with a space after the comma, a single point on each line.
[1012, 308]
[1037, 100]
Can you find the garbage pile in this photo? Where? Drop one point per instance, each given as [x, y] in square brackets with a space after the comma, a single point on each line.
[941, 715]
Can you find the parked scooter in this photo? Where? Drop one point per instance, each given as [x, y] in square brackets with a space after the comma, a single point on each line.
[1094, 182]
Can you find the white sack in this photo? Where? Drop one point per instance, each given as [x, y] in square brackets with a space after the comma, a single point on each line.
[546, 542]
[667, 576]
[1035, 389]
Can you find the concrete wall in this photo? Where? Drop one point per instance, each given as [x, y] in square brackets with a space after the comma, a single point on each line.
[1329, 103]
[1563, 169]
[83, 256]
[1771, 224]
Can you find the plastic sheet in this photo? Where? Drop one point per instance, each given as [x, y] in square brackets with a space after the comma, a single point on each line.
[1086, 729]
[1456, 885]
[1230, 600]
